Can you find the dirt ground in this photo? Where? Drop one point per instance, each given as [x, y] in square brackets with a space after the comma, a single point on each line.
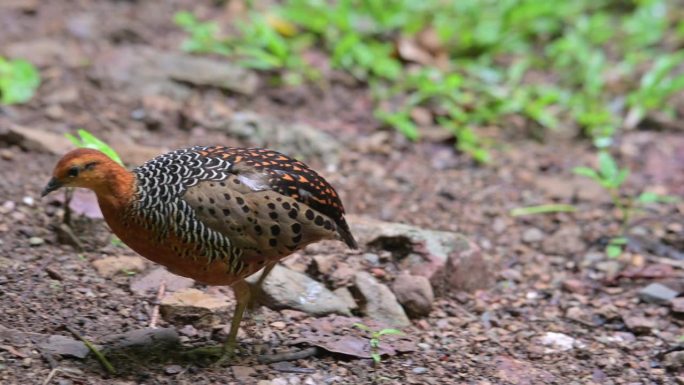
[550, 274]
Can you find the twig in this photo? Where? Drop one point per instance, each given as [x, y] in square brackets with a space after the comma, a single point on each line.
[155, 310]
[100, 357]
[288, 356]
[50, 376]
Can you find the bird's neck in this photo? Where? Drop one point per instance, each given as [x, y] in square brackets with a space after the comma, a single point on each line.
[118, 191]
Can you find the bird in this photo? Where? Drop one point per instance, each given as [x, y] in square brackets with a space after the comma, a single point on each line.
[211, 213]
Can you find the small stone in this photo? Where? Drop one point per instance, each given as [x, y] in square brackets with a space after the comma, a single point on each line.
[575, 286]
[677, 305]
[380, 303]
[28, 201]
[6, 154]
[372, 258]
[36, 241]
[173, 369]
[324, 263]
[640, 325]
[346, 296]
[419, 370]
[110, 266]
[280, 325]
[566, 241]
[286, 288]
[150, 282]
[414, 293]
[192, 306]
[65, 346]
[243, 373]
[533, 235]
[674, 360]
[657, 293]
[559, 342]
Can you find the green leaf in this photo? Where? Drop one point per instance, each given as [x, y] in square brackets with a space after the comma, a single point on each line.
[376, 357]
[362, 326]
[613, 251]
[607, 166]
[389, 332]
[19, 80]
[542, 209]
[88, 140]
[586, 171]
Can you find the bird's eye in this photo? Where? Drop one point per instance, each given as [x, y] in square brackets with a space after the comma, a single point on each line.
[73, 172]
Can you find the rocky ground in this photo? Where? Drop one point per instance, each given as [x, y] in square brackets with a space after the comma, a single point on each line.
[482, 297]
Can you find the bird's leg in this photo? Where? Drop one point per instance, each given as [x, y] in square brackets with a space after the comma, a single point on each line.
[242, 295]
[257, 292]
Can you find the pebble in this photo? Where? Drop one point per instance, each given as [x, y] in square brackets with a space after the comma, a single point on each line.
[677, 305]
[414, 293]
[640, 325]
[657, 293]
[28, 201]
[532, 235]
[419, 370]
[372, 258]
[279, 325]
[173, 369]
[36, 241]
[674, 360]
[559, 342]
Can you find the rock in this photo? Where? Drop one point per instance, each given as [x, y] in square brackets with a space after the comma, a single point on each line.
[567, 188]
[243, 373]
[449, 260]
[173, 369]
[154, 340]
[46, 52]
[36, 241]
[289, 138]
[110, 266]
[657, 293]
[512, 371]
[192, 306]
[346, 296]
[533, 235]
[674, 360]
[677, 305]
[285, 288]
[150, 282]
[566, 241]
[419, 370]
[324, 263]
[414, 293]
[379, 303]
[559, 342]
[639, 325]
[147, 71]
[575, 286]
[65, 346]
[32, 139]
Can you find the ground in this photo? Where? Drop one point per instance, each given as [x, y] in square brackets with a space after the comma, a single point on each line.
[549, 275]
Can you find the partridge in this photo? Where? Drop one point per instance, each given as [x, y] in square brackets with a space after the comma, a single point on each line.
[213, 214]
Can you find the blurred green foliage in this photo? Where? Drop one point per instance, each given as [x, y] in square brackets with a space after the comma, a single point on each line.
[597, 65]
[19, 80]
[86, 139]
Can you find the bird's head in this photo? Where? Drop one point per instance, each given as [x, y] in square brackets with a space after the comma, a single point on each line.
[82, 167]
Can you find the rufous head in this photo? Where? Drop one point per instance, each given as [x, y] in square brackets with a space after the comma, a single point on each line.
[82, 167]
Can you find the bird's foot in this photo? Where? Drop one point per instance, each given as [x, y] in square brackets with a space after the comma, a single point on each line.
[216, 355]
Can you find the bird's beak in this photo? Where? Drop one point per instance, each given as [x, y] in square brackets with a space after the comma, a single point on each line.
[52, 185]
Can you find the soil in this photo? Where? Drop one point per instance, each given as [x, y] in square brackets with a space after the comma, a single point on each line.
[550, 276]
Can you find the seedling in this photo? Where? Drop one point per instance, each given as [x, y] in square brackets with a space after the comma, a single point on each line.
[611, 177]
[375, 339]
[19, 80]
[88, 140]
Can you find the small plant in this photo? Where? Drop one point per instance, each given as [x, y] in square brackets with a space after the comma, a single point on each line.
[19, 80]
[88, 140]
[611, 177]
[375, 339]
[203, 35]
